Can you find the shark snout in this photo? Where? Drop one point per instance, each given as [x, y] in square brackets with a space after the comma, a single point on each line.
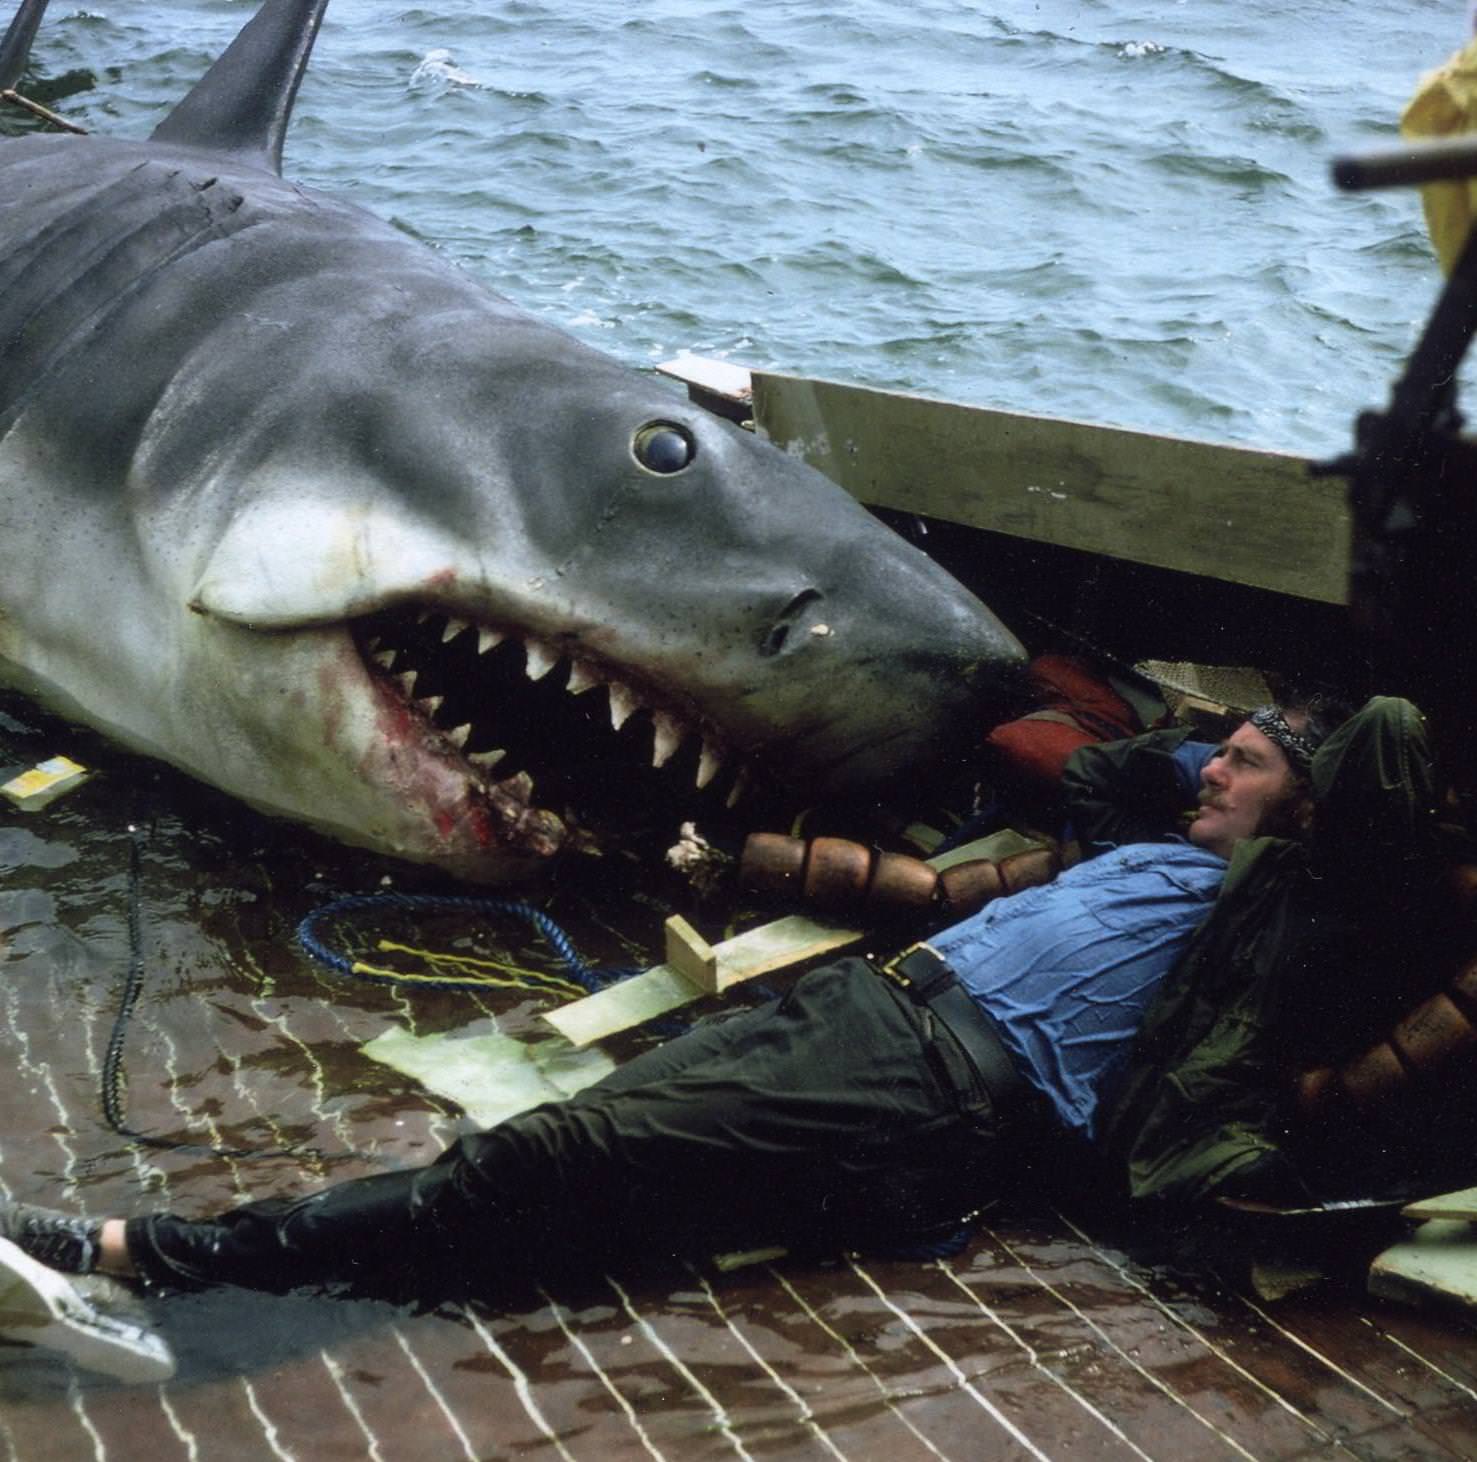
[881, 667]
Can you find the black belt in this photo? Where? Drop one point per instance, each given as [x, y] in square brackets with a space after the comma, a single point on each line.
[930, 981]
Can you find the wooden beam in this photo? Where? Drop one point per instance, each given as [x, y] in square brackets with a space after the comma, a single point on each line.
[1232, 513]
[691, 955]
[715, 385]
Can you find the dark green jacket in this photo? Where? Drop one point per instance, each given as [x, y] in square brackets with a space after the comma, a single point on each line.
[1299, 963]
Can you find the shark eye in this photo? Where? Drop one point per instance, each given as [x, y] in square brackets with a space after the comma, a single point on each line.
[663, 447]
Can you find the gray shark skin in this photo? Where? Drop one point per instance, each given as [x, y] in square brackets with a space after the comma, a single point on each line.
[294, 505]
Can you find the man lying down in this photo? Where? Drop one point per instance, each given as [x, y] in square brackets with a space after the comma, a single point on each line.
[1152, 1001]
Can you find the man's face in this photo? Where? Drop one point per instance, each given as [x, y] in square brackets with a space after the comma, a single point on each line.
[1247, 779]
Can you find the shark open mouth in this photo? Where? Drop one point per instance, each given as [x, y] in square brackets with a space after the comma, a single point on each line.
[557, 730]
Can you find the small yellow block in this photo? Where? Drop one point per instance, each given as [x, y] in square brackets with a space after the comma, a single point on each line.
[691, 955]
[32, 790]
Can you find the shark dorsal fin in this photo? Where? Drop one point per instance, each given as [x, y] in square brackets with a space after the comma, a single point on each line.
[242, 104]
[15, 48]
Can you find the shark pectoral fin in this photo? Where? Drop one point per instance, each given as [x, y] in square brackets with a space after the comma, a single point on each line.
[284, 565]
[243, 103]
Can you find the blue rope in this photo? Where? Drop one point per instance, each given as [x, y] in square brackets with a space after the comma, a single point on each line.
[590, 978]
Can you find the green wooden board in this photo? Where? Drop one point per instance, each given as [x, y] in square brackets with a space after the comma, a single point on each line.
[489, 1075]
[1230, 513]
[1437, 1263]
[1447, 1205]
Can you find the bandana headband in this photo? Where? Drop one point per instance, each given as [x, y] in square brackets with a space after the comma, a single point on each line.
[1273, 725]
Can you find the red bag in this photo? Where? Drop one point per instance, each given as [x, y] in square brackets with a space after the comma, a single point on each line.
[1078, 707]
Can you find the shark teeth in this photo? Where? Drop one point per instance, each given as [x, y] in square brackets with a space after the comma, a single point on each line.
[667, 737]
[541, 659]
[708, 765]
[470, 702]
[518, 787]
[623, 704]
[582, 677]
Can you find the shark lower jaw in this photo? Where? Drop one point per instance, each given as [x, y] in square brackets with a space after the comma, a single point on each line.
[558, 751]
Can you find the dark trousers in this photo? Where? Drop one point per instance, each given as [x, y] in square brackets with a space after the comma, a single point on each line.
[839, 1115]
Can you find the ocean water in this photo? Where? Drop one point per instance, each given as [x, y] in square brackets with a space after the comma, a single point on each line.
[1098, 209]
[1093, 208]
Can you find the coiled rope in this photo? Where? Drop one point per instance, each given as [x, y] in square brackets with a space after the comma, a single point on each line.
[584, 978]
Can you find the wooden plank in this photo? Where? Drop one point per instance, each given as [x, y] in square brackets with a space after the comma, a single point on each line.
[1438, 1262]
[998, 845]
[662, 989]
[691, 955]
[1448, 1205]
[1232, 513]
[715, 385]
[716, 377]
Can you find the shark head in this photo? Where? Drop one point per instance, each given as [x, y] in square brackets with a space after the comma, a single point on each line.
[291, 503]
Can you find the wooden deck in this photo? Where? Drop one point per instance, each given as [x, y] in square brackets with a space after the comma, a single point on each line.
[1042, 1340]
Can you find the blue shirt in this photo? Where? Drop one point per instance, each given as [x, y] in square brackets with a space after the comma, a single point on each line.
[1067, 970]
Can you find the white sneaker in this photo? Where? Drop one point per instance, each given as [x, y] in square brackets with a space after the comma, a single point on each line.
[39, 1306]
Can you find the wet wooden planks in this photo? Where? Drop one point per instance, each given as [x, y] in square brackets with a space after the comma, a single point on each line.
[1041, 1340]
[972, 1357]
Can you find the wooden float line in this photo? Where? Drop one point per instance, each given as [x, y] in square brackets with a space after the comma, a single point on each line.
[1222, 512]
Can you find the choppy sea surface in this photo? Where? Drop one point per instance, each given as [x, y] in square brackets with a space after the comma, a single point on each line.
[1093, 208]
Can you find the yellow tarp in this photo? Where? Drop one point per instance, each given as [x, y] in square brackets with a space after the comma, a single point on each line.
[1445, 104]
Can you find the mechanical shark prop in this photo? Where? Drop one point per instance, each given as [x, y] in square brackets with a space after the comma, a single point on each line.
[293, 504]
[16, 47]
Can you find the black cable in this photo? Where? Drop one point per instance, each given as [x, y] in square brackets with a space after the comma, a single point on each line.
[113, 1080]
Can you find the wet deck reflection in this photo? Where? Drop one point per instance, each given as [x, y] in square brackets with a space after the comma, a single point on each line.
[1041, 1340]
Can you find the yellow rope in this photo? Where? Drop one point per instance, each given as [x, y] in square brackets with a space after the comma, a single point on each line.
[471, 961]
[480, 972]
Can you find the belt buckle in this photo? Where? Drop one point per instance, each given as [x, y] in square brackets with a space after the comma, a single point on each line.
[930, 973]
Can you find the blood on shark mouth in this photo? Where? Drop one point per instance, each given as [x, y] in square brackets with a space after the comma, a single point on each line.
[512, 705]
